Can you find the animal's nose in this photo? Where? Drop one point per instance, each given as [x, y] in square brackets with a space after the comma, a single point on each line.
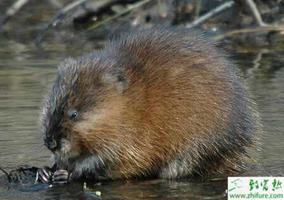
[50, 143]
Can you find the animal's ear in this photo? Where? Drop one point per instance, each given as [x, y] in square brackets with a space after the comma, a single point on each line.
[117, 80]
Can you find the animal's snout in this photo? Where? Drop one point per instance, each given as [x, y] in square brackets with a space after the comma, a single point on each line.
[50, 143]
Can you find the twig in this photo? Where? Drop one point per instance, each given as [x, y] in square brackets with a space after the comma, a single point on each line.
[255, 12]
[105, 8]
[58, 17]
[55, 3]
[13, 10]
[256, 63]
[211, 13]
[197, 8]
[6, 173]
[249, 30]
[129, 9]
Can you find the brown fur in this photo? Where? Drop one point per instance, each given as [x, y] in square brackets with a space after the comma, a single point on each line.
[159, 102]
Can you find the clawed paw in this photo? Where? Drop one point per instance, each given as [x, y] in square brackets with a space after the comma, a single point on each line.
[46, 175]
[60, 177]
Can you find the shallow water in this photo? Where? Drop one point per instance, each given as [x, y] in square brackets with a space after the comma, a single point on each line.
[26, 72]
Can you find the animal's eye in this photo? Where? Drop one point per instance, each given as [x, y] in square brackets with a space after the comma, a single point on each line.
[73, 114]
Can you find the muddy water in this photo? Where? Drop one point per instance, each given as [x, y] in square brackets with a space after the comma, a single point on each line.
[26, 72]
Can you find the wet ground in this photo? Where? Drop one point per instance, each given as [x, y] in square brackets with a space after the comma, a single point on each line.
[25, 74]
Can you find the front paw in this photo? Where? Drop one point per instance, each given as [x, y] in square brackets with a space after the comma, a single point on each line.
[60, 177]
[44, 175]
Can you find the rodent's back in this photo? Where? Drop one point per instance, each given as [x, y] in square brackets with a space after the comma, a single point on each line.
[173, 107]
[194, 102]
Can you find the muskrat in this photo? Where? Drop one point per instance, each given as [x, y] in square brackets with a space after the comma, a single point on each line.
[154, 103]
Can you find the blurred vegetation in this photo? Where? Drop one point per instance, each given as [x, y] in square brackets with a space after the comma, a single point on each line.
[246, 22]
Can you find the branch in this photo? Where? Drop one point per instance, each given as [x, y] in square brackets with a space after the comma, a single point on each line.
[6, 173]
[13, 10]
[105, 8]
[58, 17]
[248, 30]
[129, 9]
[255, 12]
[210, 14]
[55, 3]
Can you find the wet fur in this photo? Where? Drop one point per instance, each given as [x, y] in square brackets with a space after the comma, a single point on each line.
[154, 103]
